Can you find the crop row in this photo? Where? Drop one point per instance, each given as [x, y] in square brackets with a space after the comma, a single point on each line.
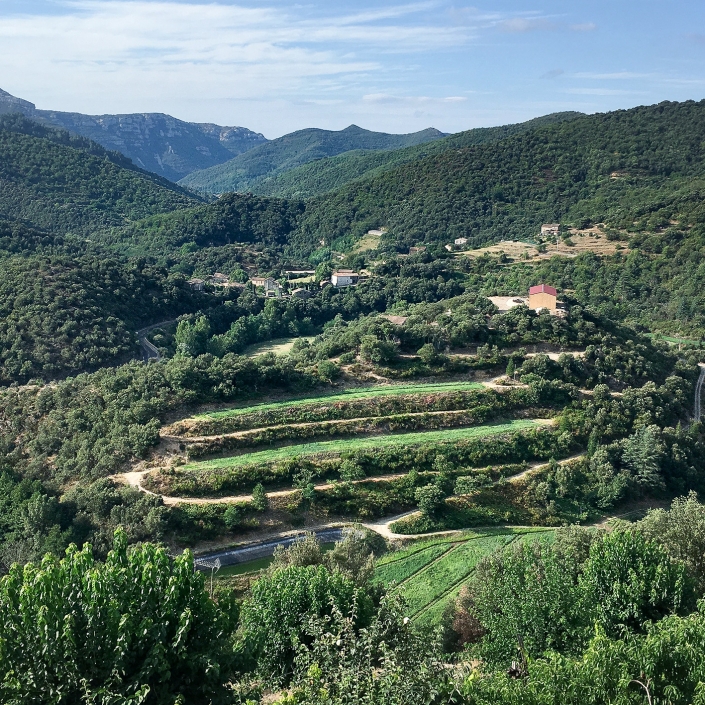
[513, 442]
[379, 424]
[327, 410]
[430, 584]
[398, 571]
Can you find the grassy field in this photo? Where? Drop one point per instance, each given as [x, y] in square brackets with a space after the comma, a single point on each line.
[673, 340]
[345, 444]
[349, 395]
[430, 574]
[278, 346]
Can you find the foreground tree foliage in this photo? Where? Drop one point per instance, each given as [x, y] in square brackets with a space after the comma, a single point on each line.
[136, 630]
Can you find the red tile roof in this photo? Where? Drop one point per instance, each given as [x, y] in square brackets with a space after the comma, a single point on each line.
[543, 289]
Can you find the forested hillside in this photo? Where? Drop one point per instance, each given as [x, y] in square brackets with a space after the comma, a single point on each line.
[66, 184]
[616, 168]
[331, 173]
[248, 171]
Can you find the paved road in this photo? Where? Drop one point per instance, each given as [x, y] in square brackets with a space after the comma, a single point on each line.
[699, 393]
[149, 352]
[263, 549]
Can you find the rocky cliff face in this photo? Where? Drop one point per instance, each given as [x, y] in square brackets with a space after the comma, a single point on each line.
[160, 143]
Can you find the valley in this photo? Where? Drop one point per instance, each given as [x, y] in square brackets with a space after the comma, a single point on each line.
[421, 402]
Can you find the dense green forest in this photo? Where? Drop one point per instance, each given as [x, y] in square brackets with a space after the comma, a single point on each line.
[247, 171]
[67, 184]
[328, 174]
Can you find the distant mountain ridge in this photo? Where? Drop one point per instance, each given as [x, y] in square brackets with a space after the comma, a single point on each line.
[156, 142]
[251, 170]
[323, 175]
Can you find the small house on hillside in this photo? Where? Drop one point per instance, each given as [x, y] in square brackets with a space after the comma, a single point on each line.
[219, 279]
[542, 296]
[344, 277]
[271, 286]
[550, 229]
[416, 250]
[459, 241]
[301, 293]
[196, 284]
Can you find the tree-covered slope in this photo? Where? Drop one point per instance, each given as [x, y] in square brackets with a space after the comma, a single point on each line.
[61, 314]
[247, 171]
[233, 218]
[328, 174]
[612, 168]
[54, 181]
[159, 143]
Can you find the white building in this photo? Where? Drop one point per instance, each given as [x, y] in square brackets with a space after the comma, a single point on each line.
[550, 228]
[344, 277]
[461, 241]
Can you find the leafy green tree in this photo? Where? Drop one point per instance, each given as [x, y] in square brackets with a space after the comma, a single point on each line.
[629, 580]
[139, 628]
[511, 368]
[277, 618]
[429, 499]
[428, 354]
[192, 338]
[680, 532]
[372, 349]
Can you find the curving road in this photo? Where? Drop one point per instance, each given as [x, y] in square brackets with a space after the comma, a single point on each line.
[699, 393]
[263, 549]
[149, 351]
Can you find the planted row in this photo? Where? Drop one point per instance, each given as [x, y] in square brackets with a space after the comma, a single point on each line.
[321, 410]
[380, 424]
[478, 451]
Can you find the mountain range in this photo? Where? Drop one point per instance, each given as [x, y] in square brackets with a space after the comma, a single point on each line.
[253, 170]
[156, 142]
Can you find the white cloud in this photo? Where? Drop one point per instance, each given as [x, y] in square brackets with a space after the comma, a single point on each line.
[584, 27]
[526, 24]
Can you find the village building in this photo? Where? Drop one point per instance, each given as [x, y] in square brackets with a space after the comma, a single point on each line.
[344, 277]
[196, 284]
[301, 293]
[550, 228]
[219, 279]
[461, 241]
[542, 296]
[416, 250]
[271, 287]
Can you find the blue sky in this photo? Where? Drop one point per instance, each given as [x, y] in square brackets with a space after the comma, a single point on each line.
[277, 66]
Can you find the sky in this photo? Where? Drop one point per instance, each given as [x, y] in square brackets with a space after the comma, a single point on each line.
[277, 66]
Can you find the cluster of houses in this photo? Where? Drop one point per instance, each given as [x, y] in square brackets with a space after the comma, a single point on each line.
[273, 289]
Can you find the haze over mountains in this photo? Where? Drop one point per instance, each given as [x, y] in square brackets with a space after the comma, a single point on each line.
[159, 143]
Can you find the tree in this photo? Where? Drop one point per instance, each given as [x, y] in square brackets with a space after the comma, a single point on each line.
[681, 533]
[192, 338]
[139, 628]
[277, 618]
[428, 354]
[429, 499]
[259, 498]
[511, 368]
[643, 454]
[629, 580]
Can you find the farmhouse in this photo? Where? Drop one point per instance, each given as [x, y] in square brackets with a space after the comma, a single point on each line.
[542, 296]
[301, 293]
[550, 228]
[271, 286]
[196, 284]
[344, 277]
[219, 279]
[461, 241]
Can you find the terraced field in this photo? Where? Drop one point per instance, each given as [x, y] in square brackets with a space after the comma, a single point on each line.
[343, 445]
[430, 574]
